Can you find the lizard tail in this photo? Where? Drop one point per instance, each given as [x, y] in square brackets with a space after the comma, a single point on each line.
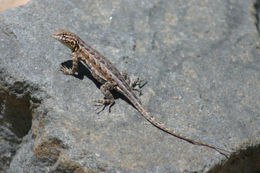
[166, 129]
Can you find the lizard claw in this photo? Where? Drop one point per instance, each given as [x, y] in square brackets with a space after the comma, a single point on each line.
[100, 108]
[138, 84]
[102, 104]
[65, 70]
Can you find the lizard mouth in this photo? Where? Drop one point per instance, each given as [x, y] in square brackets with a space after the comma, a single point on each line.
[54, 35]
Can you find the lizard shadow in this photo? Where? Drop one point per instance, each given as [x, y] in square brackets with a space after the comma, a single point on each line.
[84, 71]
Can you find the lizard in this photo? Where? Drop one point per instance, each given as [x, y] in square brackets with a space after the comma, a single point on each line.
[110, 79]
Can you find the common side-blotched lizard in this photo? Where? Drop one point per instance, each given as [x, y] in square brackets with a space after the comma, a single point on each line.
[111, 79]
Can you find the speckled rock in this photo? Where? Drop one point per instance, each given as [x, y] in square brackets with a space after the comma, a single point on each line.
[201, 61]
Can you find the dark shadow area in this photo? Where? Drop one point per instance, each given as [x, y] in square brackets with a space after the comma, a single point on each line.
[246, 161]
[15, 123]
[257, 15]
[84, 71]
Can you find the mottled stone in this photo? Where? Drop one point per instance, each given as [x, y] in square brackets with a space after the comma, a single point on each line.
[201, 61]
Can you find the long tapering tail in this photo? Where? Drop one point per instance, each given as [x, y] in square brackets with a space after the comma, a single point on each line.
[163, 127]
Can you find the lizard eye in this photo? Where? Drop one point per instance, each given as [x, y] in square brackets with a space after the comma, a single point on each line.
[63, 35]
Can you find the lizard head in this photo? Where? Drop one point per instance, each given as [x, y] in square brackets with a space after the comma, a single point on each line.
[67, 38]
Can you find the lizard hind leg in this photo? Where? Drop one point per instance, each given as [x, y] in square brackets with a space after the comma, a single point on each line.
[136, 85]
[108, 100]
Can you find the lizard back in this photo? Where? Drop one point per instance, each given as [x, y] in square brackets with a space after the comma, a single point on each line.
[103, 70]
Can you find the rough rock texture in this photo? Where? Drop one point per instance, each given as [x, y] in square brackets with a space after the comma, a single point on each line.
[201, 61]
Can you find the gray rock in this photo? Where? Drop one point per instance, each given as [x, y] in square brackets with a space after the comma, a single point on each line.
[201, 61]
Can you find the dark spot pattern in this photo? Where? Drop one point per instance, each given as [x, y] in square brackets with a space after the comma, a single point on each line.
[92, 52]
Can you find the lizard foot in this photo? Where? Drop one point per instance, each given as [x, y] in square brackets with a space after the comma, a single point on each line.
[135, 85]
[102, 104]
[138, 84]
[66, 70]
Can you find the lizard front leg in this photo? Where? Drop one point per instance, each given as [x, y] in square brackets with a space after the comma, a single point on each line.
[75, 61]
[108, 100]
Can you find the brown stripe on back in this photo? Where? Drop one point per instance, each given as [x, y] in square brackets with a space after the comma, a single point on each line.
[105, 71]
[92, 52]
[87, 48]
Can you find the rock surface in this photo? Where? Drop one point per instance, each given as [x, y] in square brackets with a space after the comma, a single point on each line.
[201, 61]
